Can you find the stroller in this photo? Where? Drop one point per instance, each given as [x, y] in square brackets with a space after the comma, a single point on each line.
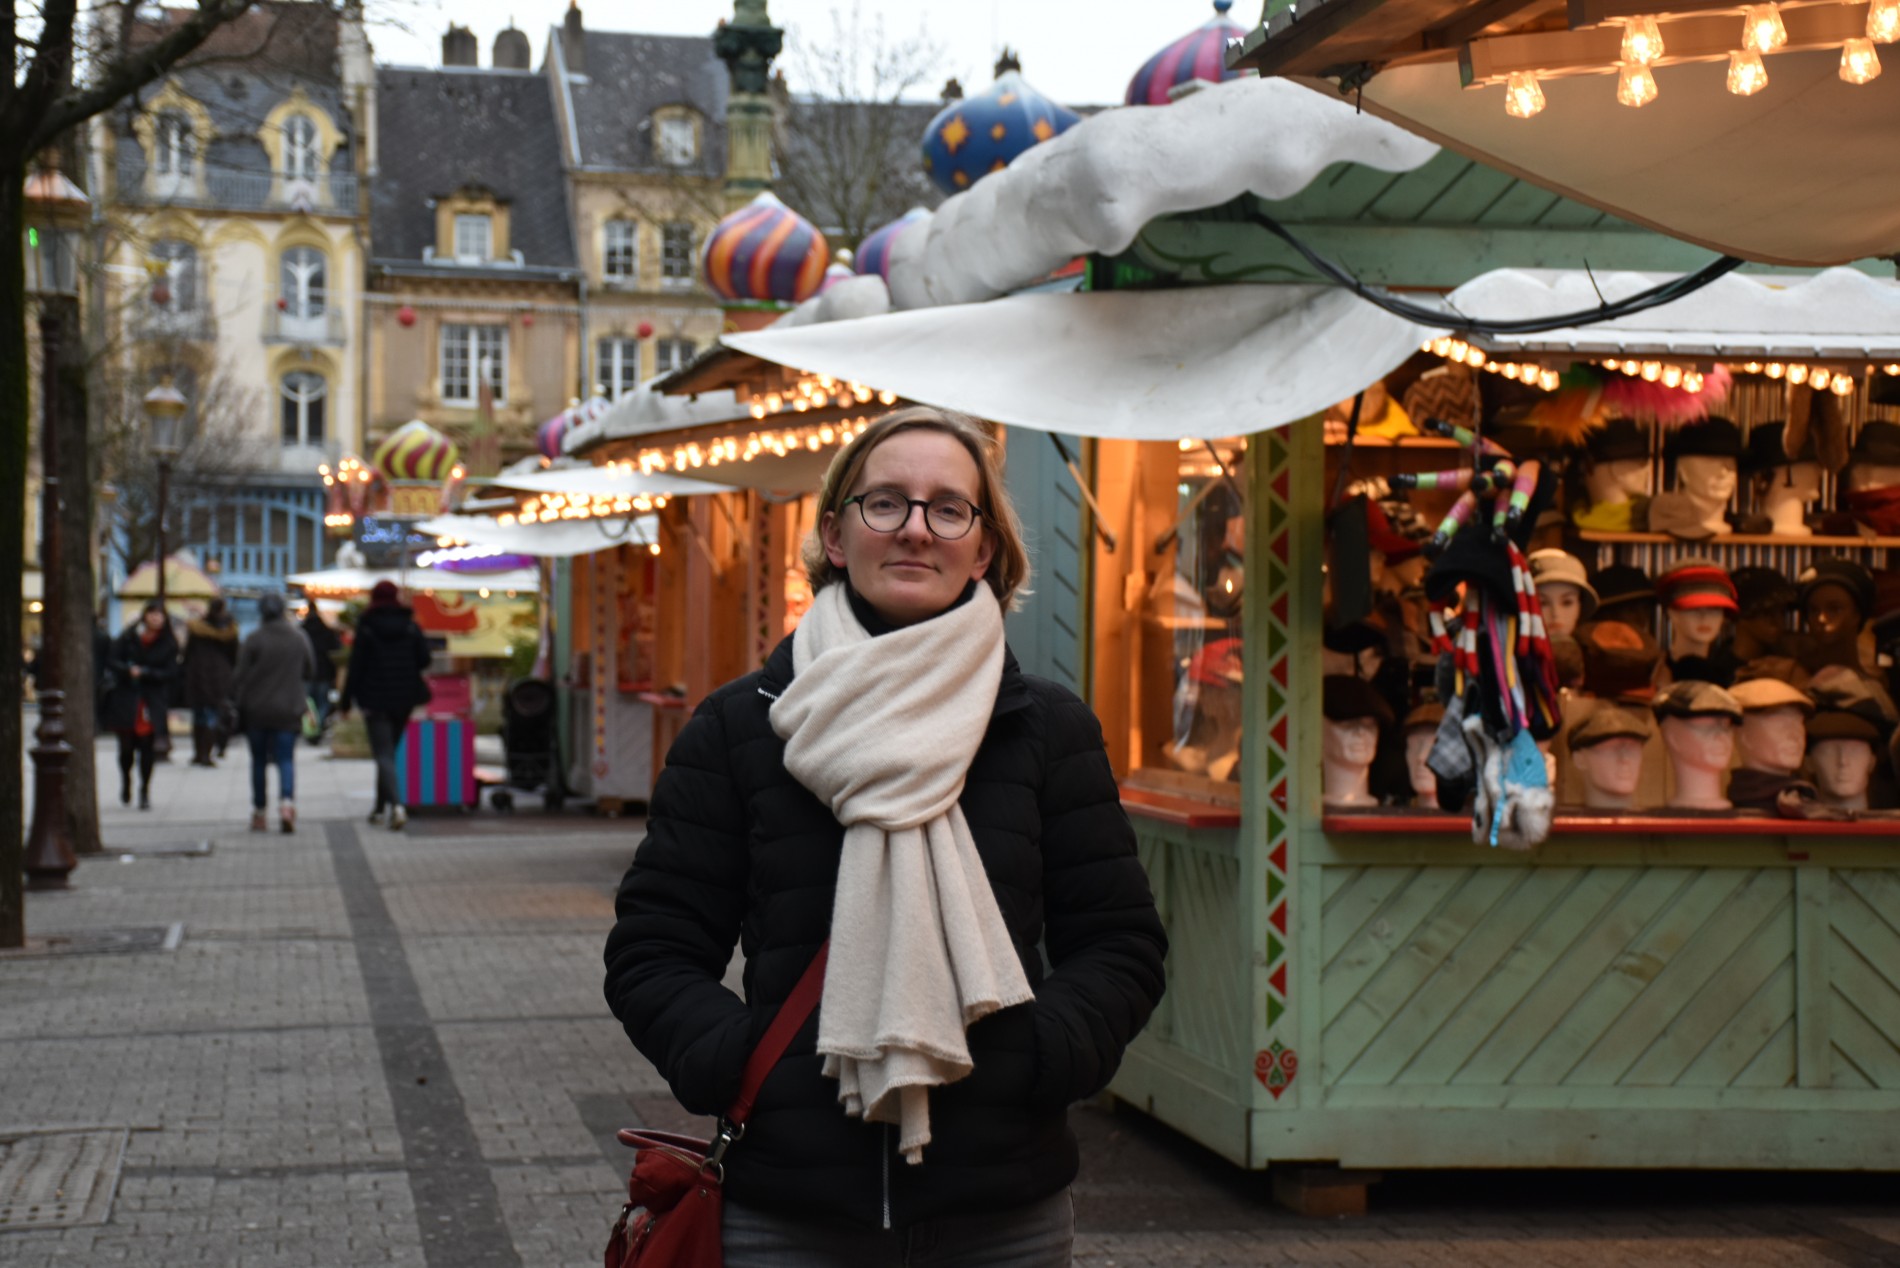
[527, 738]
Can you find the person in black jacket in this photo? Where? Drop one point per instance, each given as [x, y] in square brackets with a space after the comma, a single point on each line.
[209, 663]
[324, 644]
[143, 663]
[895, 708]
[385, 677]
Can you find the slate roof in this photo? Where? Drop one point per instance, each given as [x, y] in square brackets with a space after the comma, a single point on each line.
[441, 129]
[627, 77]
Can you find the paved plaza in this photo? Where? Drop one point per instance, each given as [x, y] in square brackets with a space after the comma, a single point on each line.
[348, 1046]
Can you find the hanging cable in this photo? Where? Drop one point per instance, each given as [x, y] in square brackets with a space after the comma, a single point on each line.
[1425, 315]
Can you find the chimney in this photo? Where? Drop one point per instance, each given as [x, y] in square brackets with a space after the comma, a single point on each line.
[511, 50]
[952, 91]
[460, 47]
[574, 40]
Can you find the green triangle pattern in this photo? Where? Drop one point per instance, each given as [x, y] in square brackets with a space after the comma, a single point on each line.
[1276, 577]
[1276, 826]
[1275, 948]
[1274, 886]
[1275, 763]
[1274, 1009]
[1276, 699]
[1276, 640]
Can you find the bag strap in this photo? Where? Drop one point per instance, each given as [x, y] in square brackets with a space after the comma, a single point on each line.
[798, 1006]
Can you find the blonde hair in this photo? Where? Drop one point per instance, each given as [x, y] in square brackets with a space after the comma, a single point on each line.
[1008, 572]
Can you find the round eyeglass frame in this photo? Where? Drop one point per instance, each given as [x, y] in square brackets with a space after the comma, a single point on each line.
[976, 512]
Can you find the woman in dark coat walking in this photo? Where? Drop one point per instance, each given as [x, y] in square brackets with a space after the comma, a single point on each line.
[385, 677]
[211, 648]
[925, 1103]
[143, 663]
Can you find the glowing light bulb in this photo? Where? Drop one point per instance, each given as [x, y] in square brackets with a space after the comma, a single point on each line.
[1672, 376]
[1548, 380]
[1652, 370]
[1883, 21]
[1773, 369]
[1762, 31]
[1797, 374]
[1523, 96]
[1842, 385]
[1746, 74]
[1818, 378]
[1635, 86]
[1692, 381]
[1475, 358]
[1642, 42]
[1859, 63]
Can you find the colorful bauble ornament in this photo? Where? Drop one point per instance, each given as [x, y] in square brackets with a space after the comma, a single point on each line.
[415, 451]
[765, 251]
[974, 136]
[874, 253]
[405, 316]
[547, 437]
[1200, 54]
[644, 330]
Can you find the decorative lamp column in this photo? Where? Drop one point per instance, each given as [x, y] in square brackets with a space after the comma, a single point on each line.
[56, 211]
[747, 45]
[165, 406]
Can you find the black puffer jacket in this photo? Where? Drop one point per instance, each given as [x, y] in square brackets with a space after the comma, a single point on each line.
[158, 665]
[739, 851]
[386, 662]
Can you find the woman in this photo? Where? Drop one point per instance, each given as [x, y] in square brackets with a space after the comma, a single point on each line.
[273, 667]
[144, 661]
[209, 663]
[895, 708]
[385, 677]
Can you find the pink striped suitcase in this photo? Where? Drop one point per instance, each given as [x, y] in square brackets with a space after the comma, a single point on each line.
[435, 763]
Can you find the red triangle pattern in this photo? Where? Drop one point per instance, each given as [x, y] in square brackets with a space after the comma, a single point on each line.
[1278, 858]
[1279, 547]
[1277, 918]
[1279, 612]
[1277, 979]
[1278, 670]
[1278, 794]
[1279, 733]
[1275, 1091]
[1280, 483]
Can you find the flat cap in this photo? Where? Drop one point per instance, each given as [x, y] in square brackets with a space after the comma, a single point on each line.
[1786, 668]
[1695, 584]
[1692, 699]
[1560, 567]
[1713, 437]
[1426, 717]
[1839, 724]
[1609, 721]
[1848, 689]
[1344, 698]
[1623, 583]
[1618, 659]
[1758, 694]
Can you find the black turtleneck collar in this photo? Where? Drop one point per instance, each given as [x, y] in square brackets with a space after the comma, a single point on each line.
[873, 621]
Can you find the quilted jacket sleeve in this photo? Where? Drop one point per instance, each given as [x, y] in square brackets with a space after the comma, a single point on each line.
[678, 917]
[1101, 929]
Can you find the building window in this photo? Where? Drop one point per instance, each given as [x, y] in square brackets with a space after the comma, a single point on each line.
[677, 143]
[671, 354]
[302, 159]
[617, 367]
[302, 280]
[174, 145]
[676, 253]
[472, 354]
[620, 252]
[177, 290]
[474, 238]
[303, 398]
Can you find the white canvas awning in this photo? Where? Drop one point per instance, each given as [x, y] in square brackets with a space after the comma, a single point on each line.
[560, 539]
[1130, 365]
[612, 482]
[334, 581]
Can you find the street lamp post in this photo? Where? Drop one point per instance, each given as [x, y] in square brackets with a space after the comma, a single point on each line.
[55, 207]
[165, 405]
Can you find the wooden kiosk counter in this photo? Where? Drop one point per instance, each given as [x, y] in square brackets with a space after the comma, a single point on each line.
[1372, 989]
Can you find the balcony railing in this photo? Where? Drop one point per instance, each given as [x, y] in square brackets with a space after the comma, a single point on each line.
[285, 326]
[233, 190]
[188, 325]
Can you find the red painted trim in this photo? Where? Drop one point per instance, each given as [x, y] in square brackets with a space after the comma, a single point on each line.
[1413, 823]
[1184, 811]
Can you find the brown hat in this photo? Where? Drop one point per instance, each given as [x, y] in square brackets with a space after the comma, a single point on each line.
[1786, 668]
[1692, 699]
[1618, 659]
[1607, 721]
[1697, 583]
[1839, 724]
[1426, 717]
[1553, 567]
[1344, 698]
[1758, 694]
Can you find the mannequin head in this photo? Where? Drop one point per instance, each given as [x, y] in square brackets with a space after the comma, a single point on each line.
[1774, 740]
[1831, 610]
[1349, 739]
[1699, 598]
[1357, 649]
[1606, 749]
[1698, 722]
[1617, 481]
[1764, 597]
[1841, 753]
[1563, 590]
[1875, 461]
[1837, 597]
[1616, 463]
[1421, 732]
[1706, 479]
[1785, 482]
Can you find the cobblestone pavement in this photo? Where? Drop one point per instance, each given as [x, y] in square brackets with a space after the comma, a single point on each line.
[379, 1048]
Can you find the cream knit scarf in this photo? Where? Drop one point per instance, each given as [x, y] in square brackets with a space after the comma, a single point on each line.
[883, 730]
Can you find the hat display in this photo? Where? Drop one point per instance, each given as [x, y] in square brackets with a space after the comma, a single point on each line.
[1425, 718]
[1610, 721]
[1786, 668]
[1623, 583]
[1713, 437]
[1692, 699]
[1763, 591]
[1878, 442]
[1695, 584]
[1354, 637]
[1618, 659]
[1767, 448]
[1845, 573]
[1560, 567]
[1618, 440]
[1846, 689]
[1838, 724]
[1760, 694]
[1344, 698]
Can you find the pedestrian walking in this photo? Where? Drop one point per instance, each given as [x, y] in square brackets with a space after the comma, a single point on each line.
[385, 677]
[893, 792]
[143, 662]
[210, 663]
[325, 642]
[273, 666]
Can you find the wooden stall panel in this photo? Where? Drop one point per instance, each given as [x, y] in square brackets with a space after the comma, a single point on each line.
[1863, 961]
[1205, 1011]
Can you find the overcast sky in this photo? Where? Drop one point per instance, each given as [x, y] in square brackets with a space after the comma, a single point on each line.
[1080, 53]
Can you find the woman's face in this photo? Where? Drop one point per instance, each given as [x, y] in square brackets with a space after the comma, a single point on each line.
[1563, 608]
[1700, 626]
[911, 574]
[154, 621]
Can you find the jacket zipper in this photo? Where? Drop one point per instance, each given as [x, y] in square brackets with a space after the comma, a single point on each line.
[884, 1158]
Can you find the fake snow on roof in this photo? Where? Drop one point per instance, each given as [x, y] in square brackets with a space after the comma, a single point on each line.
[765, 251]
[1200, 54]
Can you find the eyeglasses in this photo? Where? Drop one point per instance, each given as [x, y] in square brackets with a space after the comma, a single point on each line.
[947, 516]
